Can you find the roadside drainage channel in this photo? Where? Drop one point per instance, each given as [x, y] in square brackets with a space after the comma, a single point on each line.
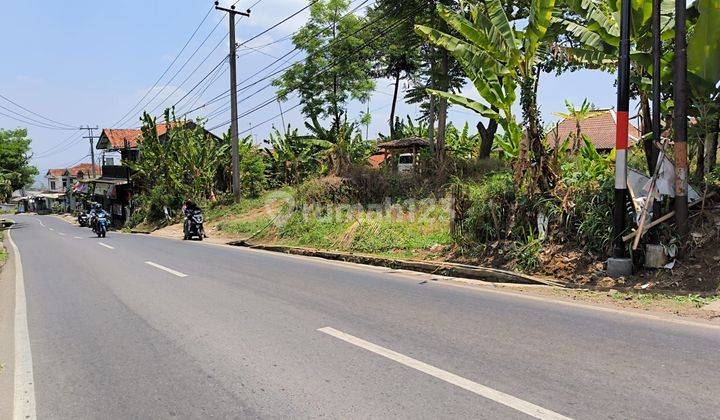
[439, 268]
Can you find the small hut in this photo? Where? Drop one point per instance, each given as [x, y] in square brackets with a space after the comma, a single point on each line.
[399, 153]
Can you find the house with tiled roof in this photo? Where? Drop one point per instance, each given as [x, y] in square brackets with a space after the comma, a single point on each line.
[58, 180]
[124, 142]
[61, 180]
[114, 190]
[85, 171]
[599, 129]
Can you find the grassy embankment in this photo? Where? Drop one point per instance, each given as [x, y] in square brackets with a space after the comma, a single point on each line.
[392, 230]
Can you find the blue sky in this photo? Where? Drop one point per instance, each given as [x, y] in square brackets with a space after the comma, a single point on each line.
[88, 62]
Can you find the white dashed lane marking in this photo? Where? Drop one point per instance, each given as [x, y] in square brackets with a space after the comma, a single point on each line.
[474, 387]
[169, 270]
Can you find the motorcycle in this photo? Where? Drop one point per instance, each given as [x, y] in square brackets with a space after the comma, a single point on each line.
[101, 224]
[83, 219]
[193, 225]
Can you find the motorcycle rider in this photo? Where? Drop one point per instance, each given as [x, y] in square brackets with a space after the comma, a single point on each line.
[91, 215]
[189, 208]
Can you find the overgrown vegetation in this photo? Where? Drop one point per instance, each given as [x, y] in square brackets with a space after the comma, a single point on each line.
[515, 191]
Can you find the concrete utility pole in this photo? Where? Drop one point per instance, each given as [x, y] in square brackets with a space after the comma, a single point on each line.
[91, 137]
[619, 264]
[233, 98]
[680, 94]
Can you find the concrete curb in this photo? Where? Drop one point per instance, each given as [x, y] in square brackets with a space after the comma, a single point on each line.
[448, 269]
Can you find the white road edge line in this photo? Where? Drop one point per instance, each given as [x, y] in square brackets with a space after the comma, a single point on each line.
[24, 403]
[51, 228]
[169, 270]
[77, 237]
[482, 390]
[61, 234]
[106, 245]
[41, 222]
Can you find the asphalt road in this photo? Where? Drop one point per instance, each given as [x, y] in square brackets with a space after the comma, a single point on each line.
[142, 327]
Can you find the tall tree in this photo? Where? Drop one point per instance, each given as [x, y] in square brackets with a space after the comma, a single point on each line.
[15, 170]
[397, 55]
[337, 67]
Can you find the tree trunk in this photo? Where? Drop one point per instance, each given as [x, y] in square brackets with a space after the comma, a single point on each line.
[394, 104]
[700, 168]
[487, 136]
[711, 146]
[336, 107]
[532, 158]
[431, 123]
[442, 117]
[651, 151]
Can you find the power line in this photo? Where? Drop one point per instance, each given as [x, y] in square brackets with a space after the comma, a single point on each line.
[33, 112]
[167, 68]
[64, 149]
[70, 165]
[200, 94]
[295, 50]
[258, 35]
[327, 68]
[182, 67]
[41, 123]
[271, 119]
[190, 75]
[226, 93]
[203, 79]
[52, 150]
[34, 124]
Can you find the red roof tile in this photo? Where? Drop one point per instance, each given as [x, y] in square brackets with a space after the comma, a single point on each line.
[376, 160]
[116, 138]
[85, 168]
[599, 129]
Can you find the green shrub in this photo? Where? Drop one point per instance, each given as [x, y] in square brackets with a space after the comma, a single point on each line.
[526, 253]
[486, 207]
[325, 190]
[590, 183]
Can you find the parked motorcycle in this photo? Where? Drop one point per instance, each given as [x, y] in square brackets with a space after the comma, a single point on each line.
[83, 219]
[101, 224]
[193, 226]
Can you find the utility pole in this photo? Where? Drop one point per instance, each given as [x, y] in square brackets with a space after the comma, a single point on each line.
[233, 98]
[619, 264]
[91, 137]
[680, 122]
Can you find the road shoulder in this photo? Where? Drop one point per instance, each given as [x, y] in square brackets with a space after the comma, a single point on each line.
[7, 330]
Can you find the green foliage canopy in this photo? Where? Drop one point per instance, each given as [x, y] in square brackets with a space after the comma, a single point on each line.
[15, 170]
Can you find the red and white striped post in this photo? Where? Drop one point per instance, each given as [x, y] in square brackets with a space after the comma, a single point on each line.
[621, 133]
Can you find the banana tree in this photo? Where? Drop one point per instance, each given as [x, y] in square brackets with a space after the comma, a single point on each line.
[584, 112]
[338, 150]
[704, 75]
[497, 58]
[595, 26]
[290, 157]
